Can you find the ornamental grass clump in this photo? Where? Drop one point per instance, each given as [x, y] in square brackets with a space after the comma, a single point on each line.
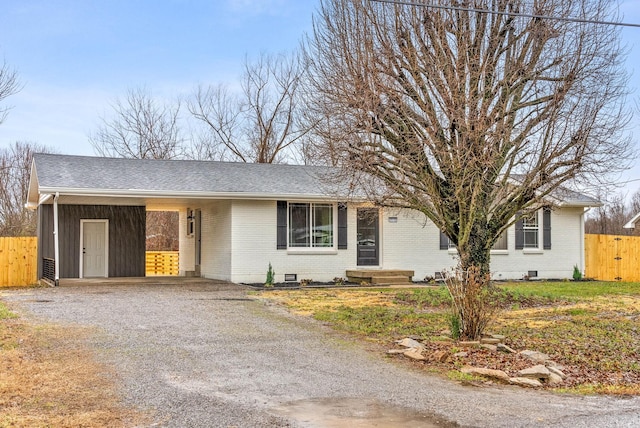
[475, 302]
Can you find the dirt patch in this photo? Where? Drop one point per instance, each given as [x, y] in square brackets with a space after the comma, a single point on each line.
[47, 378]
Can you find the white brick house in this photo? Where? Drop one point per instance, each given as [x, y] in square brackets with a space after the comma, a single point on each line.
[237, 218]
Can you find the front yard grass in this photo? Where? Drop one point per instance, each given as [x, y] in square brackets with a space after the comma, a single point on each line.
[591, 328]
[48, 379]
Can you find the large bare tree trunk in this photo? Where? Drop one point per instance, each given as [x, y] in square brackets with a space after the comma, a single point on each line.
[473, 118]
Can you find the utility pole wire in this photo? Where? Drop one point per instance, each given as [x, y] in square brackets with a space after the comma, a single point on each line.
[493, 12]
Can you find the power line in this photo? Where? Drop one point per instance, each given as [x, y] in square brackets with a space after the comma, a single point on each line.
[495, 12]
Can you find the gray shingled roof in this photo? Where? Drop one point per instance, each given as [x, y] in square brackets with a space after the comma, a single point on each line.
[177, 176]
[117, 177]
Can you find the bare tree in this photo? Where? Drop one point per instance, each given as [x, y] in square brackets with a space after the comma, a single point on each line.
[610, 218]
[144, 128]
[9, 85]
[15, 169]
[261, 123]
[141, 127]
[472, 118]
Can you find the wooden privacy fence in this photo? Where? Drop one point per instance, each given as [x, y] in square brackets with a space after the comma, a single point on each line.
[612, 257]
[162, 263]
[18, 261]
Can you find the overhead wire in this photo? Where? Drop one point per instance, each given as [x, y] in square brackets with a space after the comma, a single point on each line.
[506, 13]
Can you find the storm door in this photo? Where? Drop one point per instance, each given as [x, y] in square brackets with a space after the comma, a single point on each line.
[368, 237]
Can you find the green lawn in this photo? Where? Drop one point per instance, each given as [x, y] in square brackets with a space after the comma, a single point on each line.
[592, 328]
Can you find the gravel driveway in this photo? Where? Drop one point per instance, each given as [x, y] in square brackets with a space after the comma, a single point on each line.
[205, 354]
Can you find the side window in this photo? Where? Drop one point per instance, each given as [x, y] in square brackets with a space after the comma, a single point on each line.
[501, 243]
[531, 231]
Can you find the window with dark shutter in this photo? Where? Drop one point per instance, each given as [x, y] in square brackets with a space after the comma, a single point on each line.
[519, 233]
[342, 226]
[281, 225]
[444, 241]
[546, 229]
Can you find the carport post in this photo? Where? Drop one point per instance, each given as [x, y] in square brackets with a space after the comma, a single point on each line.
[56, 248]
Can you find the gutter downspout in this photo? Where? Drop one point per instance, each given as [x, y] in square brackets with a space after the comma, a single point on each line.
[582, 246]
[56, 241]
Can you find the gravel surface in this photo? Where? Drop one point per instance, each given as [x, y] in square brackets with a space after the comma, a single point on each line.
[205, 354]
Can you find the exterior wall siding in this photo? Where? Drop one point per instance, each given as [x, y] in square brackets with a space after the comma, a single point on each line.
[216, 240]
[408, 242]
[186, 245]
[127, 234]
[254, 247]
[413, 243]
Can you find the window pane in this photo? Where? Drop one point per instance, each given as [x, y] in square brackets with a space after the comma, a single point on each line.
[531, 238]
[322, 225]
[530, 221]
[530, 230]
[299, 220]
[501, 243]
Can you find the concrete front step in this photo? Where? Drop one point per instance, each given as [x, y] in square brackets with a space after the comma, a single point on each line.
[392, 276]
[390, 280]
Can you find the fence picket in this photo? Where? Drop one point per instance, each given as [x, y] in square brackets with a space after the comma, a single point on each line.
[162, 263]
[18, 261]
[612, 257]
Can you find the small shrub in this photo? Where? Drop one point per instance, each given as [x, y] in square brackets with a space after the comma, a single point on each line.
[339, 281]
[305, 282]
[577, 275]
[271, 275]
[454, 325]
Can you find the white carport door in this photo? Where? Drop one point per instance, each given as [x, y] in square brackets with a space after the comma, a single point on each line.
[94, 249]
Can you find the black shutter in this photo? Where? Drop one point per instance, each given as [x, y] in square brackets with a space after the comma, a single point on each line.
[282, 225]
[342, 226]
[444, 241]
[546, 229]
[519, 233]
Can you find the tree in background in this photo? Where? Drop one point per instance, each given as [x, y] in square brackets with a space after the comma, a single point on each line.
[262, 123]
[610, 218]
[15, 169]
[144, 128]
[9, 85]
[471, 118]
[141, 127]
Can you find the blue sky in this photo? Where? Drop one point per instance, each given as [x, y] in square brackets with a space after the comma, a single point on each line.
[75, 57]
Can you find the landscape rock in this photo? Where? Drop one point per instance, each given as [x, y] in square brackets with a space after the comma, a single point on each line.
[535, 372]
[490, 373]
[396, 351]
[415, 354]
[557, 372]
[492, 348]
[504, 348]
[554, 379]
[441, 356]
[535, 356]
[460, 354]
[469, 343]
[497, 336]
[525, 381]
[410, 343]
[553, 364]
[490, 340]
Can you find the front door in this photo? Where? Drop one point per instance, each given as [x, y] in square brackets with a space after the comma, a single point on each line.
[94, 250]
[368, 237]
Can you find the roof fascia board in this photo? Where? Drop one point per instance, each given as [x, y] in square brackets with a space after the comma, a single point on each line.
[190, 195]
[632, 223]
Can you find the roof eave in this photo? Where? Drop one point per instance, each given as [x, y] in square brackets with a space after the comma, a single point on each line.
[632, 223]
[155, 194]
